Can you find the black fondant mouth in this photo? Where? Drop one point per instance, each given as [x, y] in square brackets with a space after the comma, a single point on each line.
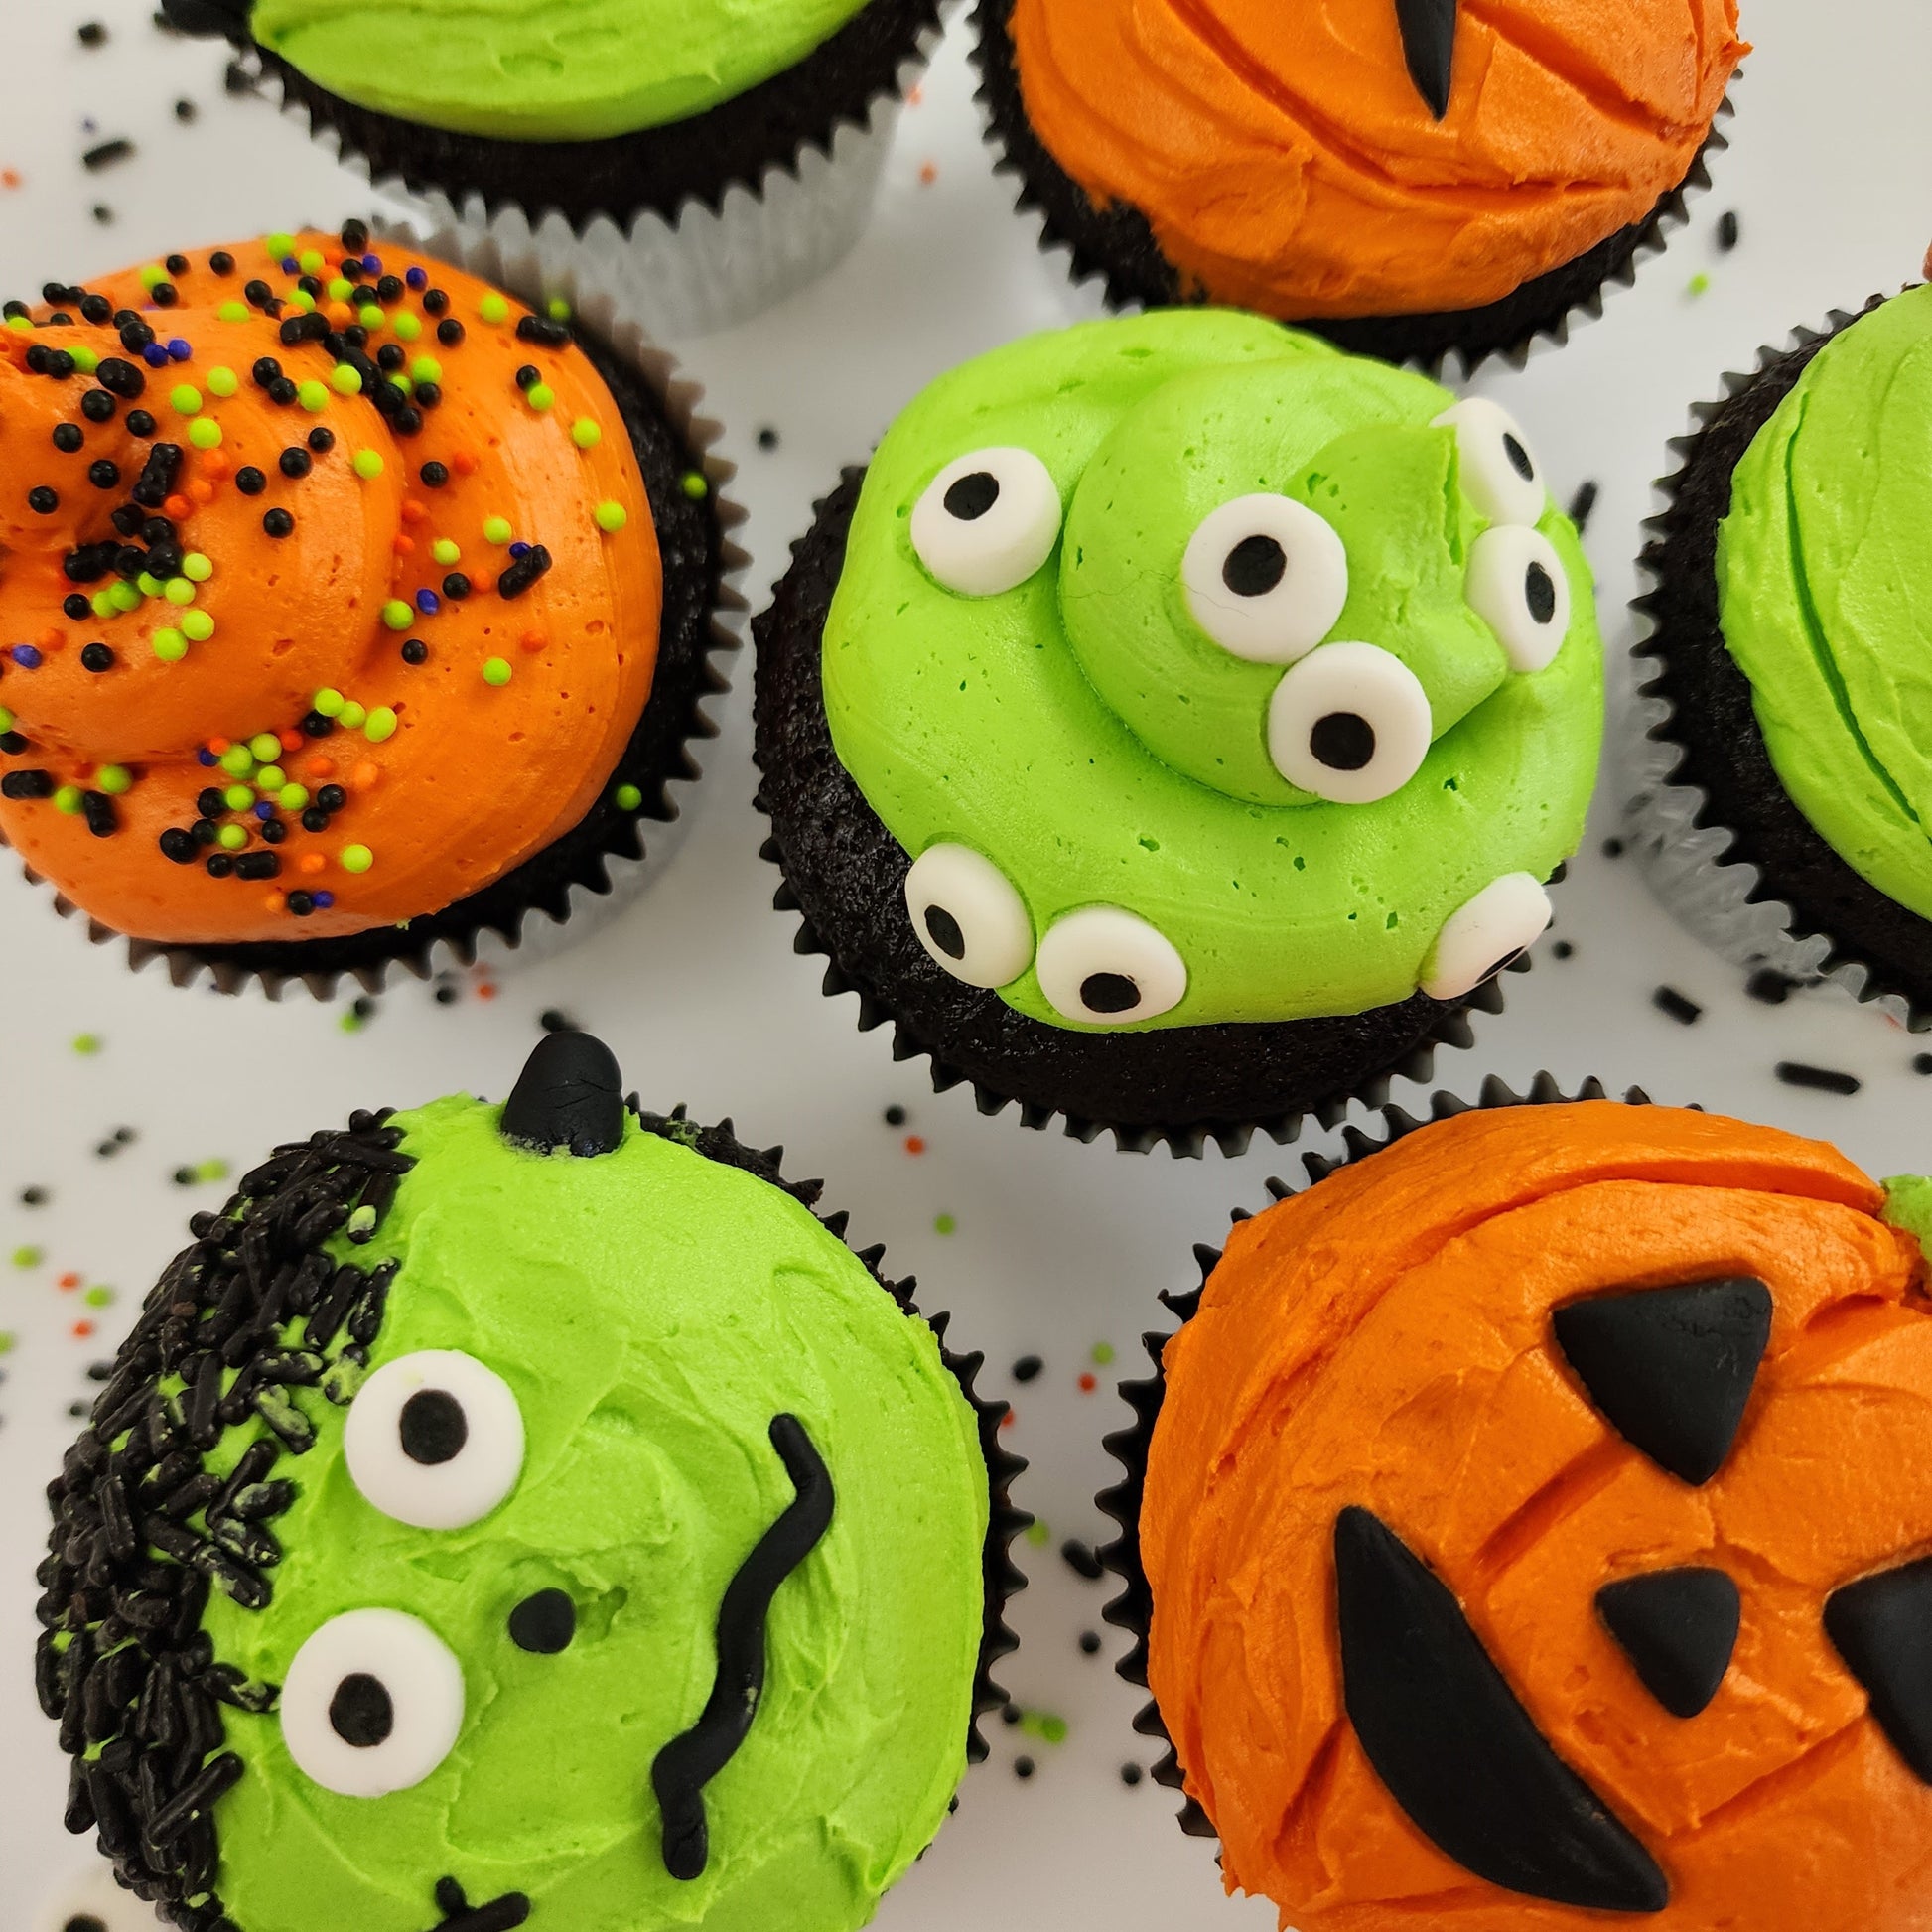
[689, 1762]
[1429, 47]
[1456, 1750]
[459, 1915]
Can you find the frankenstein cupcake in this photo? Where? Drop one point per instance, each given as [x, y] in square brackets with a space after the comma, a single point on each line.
[449, 1550]
[359, 607]
[1175, 725]
[1791, 783]
[1527, 1532]
[736, 144]
[1410, 177]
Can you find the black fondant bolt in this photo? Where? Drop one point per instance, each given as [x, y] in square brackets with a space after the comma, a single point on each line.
[569, 1094]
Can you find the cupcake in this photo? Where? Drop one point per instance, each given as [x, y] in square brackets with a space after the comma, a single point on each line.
[1528, 1524]
[472, 557]
[1175, 725]
[716, 154]
[1783, 803]
[1411, 179]
[448, 1548]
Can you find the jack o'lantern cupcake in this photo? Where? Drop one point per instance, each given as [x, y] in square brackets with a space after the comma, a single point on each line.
[446, 1549]
[1527, 1525]
[1408, 176]
[1175, 725]
[361, 608]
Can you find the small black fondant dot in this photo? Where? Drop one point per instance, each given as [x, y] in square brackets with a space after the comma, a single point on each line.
[1109, 993]
[1254, 566]
[895, 1115]
[362, 1713]
[1539, 593]
[1129, 1775]
[1090, 1643]
[544, 1623]
[1343, 741]
[1026, 1368]
[972, 496]
[943, 930]
[431, 1426]
[1519, 457]
[1024, 1768]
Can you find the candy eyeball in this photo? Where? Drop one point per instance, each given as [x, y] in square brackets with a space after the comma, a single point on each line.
[1349, 723]
[967, 915]
[1484, 935]
[1518, 587]
[1266, 578]
[1110, 967]
[1500, 476]
[434, 1440]
[371, 1704]
[987, 521]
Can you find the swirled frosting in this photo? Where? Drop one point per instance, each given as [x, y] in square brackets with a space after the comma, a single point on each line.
[1288, 161]
[545, 69]
[1082, 731]
[277, 662]
[1824, 594]
[1386, 1342]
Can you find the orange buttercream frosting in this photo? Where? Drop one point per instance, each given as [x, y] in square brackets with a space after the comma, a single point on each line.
[1384, 1341]
[1288, 161]
[419, 635]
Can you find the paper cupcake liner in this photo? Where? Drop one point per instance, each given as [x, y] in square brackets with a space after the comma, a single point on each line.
[1132, 1609]
[846, 895]
[1114, 244]
[1723, 880]
[618, 860]
[718, 257]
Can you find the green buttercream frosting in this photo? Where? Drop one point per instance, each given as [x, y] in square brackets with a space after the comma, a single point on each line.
[652, 1312]
[1824, 594]
[1908, 1205]
[544, 70]
[1084, 732]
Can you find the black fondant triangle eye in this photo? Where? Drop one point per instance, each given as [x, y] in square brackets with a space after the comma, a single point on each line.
[1882, 1627]
[1455, 1749]
[1428, 46]
[569, 1094]
[1671, 1368]
[1677, 1627]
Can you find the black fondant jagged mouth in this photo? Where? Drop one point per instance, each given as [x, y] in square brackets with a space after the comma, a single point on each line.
[459, 1915]
[691, 1760]
[1455, 1749]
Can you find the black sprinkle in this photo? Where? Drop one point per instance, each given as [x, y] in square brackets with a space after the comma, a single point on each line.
[1823, 1079]
[768, 438]
[1090, 1643]
[895, 1115]
[1669, 1001]
[1728, 230]
[1613, 848]
[107, 154]
[1129, 1775]
[1024, 1768]
[1583, 504]
[1769, 987]
[186, 110]
[1080, 1559]
[553, 1019]
[1922, 1062]
[238, 79]
[102, 214]
[1026, 1368]
[91, 33]
[34, 1198]
[1563, 949]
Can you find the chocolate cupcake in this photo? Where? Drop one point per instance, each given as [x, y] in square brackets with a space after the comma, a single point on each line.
[1784, 791]
[716, 154]
[1143, 740]
[1524, 1531]
[446, 1549]
[1411, 178]
[371, 609]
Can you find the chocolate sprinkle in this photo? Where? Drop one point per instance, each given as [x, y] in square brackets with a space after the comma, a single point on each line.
[1822, 1079]
[1669, 1002]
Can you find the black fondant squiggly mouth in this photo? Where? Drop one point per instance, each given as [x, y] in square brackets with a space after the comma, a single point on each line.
[689, 1762]
[459, 1915]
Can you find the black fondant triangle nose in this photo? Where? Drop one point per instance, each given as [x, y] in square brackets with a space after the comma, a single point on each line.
[1671, 1368]
[1677, 1627]
[210, 18]
[1880, 1625]
[569, 1094]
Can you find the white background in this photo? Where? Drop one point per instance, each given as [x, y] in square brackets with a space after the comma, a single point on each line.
[1059, 1246]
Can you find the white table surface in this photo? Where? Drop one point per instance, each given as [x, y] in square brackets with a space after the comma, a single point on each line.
[1058, 1247]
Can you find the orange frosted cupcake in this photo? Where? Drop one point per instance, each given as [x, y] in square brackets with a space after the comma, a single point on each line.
[1408, 176]
[350, 605]
[1527, 1532]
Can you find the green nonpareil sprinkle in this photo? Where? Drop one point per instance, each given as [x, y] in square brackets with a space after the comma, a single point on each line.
[29, 1257]
[87, 1042]
[99, 1296]
[1038, 1534]
[1103, 1355]
[1044, 1725]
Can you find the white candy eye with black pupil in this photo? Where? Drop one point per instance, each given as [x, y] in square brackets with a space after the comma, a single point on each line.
[968, 916]
[1265, 577]
[1518, 587]
[1499, 472]
[1349, 723]
[1107, 966]
[434, 1440]
[372, 1703]
[987, 521]
[1485, 934]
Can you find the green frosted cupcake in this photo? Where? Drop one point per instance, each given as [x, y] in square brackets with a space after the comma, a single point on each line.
[1175, 727]
[518, 1514]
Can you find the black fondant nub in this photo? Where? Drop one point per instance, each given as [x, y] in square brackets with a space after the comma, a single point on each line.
[569, 1094]
[1456, 1750]
[1428, 46]
[1671, 1368]
[1677, 1627]
[209, 19]
[1878, 1625]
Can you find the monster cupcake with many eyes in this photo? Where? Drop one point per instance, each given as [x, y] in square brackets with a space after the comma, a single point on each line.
[525, 1514]
[351, 607]
[1177, 725]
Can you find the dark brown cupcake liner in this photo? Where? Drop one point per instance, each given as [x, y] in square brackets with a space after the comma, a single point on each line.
[1722, 841]
[663, 412]
[137, 1690]
[1132, 1609]
[843, 874]
[1115, 245]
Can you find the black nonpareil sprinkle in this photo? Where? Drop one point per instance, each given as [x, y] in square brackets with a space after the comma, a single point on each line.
[140, 423]
[250, 480]
[434, 475]
[1669, 1002]
[321, 440]
[96, 656]
[278, 522]
[1028, 1367]
[68, 437]
[98, 406]
[1080, 1559]
[107, 154]
[541, 330]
